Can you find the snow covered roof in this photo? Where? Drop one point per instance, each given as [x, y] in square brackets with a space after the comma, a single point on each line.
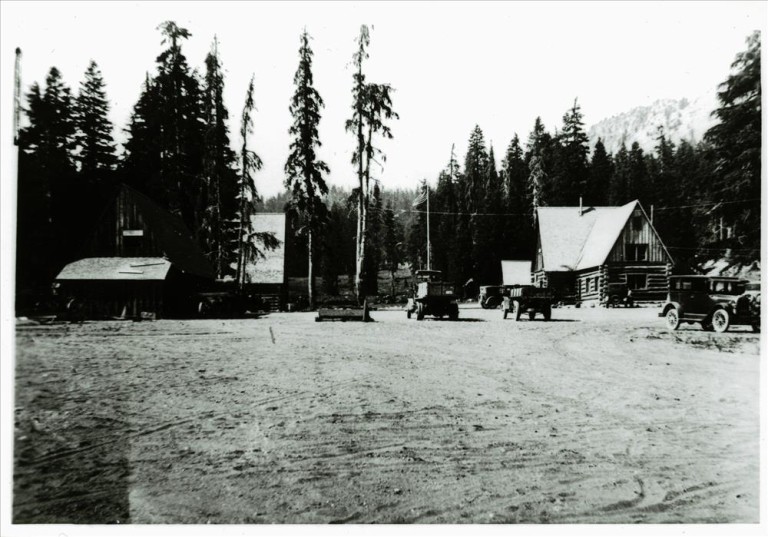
[117, 268]
[516, 272]
[270, 268]
[606, 230]
[574, 241]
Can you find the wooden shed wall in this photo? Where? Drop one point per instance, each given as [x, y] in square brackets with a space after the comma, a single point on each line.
[122, 215]
[118, 299]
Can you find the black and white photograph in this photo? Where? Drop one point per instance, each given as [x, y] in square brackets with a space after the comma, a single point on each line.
[439, 265]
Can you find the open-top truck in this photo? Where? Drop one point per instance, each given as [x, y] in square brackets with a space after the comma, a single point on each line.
[432, 296]
[528, 299]
[522, 297]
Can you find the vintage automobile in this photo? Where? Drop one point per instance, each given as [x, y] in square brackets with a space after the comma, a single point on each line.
[490, 296]
[618, 294]
[717, 302]
[528, 299]
[432, 296]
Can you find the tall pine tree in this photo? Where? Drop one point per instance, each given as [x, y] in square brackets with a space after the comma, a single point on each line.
[181, 128]
[597, 189]
[46, 173]
[247, 240]
[219, 178]
[571, 166]
[96, 146]
[303, 170]
[141, 165]
[736, 143]
[518, 230]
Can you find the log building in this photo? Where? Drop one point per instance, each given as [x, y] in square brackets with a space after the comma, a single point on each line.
[580, 251]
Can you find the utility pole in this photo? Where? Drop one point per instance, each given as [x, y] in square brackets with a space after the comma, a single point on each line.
[429, 248]
[17, 97]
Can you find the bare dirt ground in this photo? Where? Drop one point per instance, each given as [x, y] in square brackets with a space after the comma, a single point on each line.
[599, 416]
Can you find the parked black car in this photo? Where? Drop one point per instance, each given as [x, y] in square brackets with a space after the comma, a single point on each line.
[618, 294]
[490, 296]
[717, 302]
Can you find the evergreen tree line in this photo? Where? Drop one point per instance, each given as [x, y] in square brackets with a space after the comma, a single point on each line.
[703, 198]
[179, 152]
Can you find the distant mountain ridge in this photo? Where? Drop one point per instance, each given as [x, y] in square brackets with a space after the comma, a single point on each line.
[681, 119]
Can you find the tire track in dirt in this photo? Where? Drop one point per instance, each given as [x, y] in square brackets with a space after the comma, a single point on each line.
[455, 422]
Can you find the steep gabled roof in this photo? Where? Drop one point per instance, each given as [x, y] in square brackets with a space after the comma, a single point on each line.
[270, 268]
[116, 268]
[574, 241]
[604, 234]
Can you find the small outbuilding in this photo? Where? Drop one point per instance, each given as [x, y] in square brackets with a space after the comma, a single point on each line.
[140, 260]
[582, 251]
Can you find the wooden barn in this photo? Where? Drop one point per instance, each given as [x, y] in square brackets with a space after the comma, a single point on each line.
[140, 259]
[581, 251]
[267, 276]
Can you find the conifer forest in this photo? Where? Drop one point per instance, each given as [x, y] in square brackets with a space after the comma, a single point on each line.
[190, 154]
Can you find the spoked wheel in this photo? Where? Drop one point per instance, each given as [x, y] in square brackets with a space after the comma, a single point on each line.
[721, 320]
[420, 312]
[673, 319]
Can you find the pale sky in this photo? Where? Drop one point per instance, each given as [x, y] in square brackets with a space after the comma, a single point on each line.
[453, 65]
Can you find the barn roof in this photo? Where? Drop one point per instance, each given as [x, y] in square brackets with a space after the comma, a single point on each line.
[271, 267]
[116, 268]
[574, 241]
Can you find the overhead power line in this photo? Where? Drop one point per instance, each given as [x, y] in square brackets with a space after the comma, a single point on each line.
[451, 213]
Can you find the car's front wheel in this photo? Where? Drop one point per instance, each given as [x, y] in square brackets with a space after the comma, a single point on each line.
[721, 320]
[673, 319]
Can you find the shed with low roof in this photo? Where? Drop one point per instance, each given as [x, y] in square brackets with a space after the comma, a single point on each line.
[140, 259]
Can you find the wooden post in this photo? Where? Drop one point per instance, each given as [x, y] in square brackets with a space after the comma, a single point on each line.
[602, 283]
[429, 264]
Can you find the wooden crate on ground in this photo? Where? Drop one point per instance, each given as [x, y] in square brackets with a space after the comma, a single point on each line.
[344, 313]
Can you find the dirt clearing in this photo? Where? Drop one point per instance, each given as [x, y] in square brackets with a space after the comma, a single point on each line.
[597, 416]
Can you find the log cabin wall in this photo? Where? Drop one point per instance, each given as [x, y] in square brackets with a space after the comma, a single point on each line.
[589, 285]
